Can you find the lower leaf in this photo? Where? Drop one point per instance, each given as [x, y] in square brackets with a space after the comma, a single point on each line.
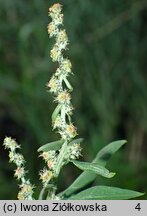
[93, 167]
[105, 193]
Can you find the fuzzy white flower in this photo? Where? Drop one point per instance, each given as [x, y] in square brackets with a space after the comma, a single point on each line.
[55, 54]
[52, 30]
[66, 65]
[63, 97]
[48, 155]
[19, 159]
[10, 143]
[54, 84]
[19, 172]
[45, 176]
[55, 9]
[75, 151]
[62, 39]
[58, 122]
[26, 191]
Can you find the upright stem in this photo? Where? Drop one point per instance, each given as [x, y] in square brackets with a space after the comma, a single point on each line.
[61, 158]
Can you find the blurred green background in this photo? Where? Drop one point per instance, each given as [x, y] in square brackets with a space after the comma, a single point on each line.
[108, 50]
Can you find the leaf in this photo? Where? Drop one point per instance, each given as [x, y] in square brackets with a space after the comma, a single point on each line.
[51, 146]
[56, 112]
[105, 153]
[87, 177]
[77, 141]
[68, 84]
[105, 193]
[93, 167]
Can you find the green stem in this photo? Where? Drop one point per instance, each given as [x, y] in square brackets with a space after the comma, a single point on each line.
[61, 158]
[41, 195]
[51, 193]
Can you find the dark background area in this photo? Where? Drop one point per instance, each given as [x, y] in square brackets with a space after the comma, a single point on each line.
[108, 50]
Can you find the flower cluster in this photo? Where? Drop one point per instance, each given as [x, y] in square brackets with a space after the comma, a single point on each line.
[45, 176]
[75, 151]
[26, 189]
[58, 84]
[69, 132]
[47, 173]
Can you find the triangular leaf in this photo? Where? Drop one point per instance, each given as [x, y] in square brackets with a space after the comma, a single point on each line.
[87, 177]
[93, 167]
[51, 146]
[105, 193]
